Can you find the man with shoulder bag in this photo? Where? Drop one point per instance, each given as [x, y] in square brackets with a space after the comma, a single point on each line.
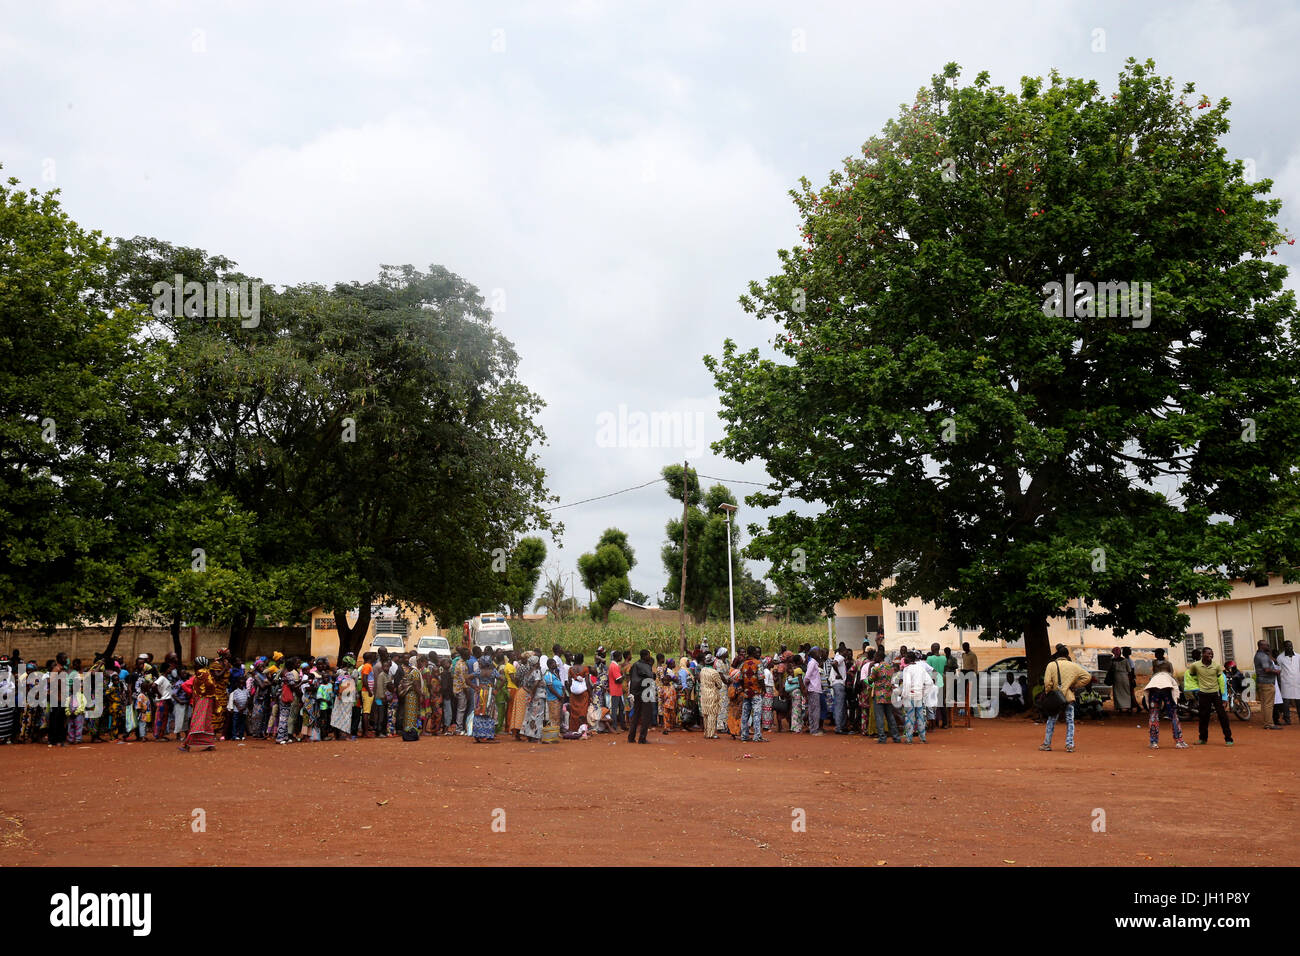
[1060, 680]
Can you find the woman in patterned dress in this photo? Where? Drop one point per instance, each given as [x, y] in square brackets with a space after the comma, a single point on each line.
[769, 693]
[204, 691]
[431, 700]
[532, 690]
[668, 697]
[798, 705]
[712, 694]
[484, 684]
[259, 692]
[345, 696]
[505, 687]
[410, 688]
[519, 697]
[735, 702]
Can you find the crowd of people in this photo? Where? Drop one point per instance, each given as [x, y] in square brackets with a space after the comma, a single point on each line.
[480, 693]
[531, 696]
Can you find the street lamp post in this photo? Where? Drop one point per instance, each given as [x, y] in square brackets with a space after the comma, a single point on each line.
[731, 593]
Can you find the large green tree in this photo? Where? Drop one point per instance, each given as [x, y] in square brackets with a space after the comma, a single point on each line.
[707, 553]
[604, 571]
[80, 394]
[523, 571]
[983, 436]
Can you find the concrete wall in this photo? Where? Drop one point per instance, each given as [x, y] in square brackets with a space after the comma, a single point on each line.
[85, 642]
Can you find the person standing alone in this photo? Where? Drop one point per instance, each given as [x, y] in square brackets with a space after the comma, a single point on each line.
[1066, 676]
[1266, 671]
[638, 676]
[1212, 695]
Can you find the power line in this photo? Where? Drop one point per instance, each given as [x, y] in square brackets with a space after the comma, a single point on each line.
[623, 491]
[736, 481]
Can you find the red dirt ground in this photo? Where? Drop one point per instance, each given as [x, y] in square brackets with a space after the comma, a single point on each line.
[978, 797]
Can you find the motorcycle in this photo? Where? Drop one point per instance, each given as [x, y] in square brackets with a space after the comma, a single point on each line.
[1189, 706]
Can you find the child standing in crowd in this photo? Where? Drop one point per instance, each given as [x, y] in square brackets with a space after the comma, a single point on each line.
[237, 704]
[143, 708]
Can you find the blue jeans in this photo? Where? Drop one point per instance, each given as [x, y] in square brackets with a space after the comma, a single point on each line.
[885, 717]
[915, 722]
[815, 712]
[1069, 727]
[837, 706]
[751, 718]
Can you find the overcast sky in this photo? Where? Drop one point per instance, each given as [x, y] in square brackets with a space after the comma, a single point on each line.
[612, 174]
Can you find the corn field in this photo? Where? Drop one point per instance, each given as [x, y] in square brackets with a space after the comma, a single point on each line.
[621, 634]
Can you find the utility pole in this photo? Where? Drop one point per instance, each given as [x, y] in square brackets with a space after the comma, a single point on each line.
[731, 591]
[681, 603]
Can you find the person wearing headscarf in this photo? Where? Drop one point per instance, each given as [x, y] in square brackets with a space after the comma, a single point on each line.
[720, 665]
[483, 682]
[712, 692]
[532, 698]
[259, 694]
[288, 694]
[1120, 677]
[219, 674]
[204, 695]
[506, 687]
[345, 696]
[578, 687]
[735, 699]
[410, 688]
[431, 698]
[798, 704]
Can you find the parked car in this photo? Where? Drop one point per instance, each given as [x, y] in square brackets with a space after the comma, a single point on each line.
[1020, 666]
[432, 644]
[390, 642]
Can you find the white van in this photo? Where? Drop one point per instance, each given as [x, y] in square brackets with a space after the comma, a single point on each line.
[431, 645]
[490, 630]
[390, 642]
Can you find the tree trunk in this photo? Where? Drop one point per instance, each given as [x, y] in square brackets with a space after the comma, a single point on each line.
[240, 630]
[1038, 650]
[350, 638]
[112, 639]
[176, 637]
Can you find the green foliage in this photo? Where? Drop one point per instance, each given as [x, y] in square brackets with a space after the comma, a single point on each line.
[523, 571]
[976, 445]
[604, 571]
[351, 443]
[707, 553]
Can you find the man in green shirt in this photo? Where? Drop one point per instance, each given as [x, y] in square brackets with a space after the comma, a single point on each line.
[940, 664]
[1207, 674]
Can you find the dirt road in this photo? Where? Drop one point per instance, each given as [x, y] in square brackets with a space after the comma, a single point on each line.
[979, 797]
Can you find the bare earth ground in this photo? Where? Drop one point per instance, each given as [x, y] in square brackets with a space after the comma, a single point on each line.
[978, 797]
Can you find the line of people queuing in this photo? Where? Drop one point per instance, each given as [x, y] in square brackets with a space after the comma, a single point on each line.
[479, 693]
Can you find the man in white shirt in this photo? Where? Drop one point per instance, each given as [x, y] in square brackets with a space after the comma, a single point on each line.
[1010, 697]
[160, 721]
[1288, 681]
[813, 678]
[835, 671]
[915, 680]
